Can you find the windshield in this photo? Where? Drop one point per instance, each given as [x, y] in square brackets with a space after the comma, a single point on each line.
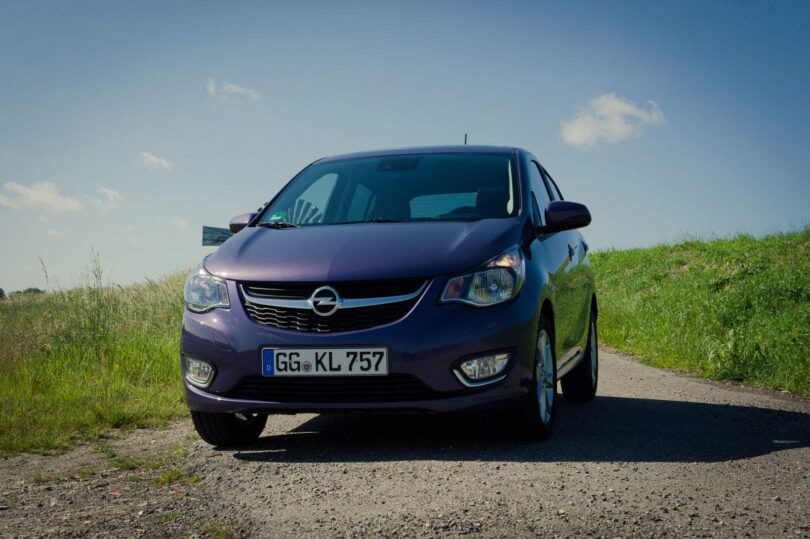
[401, 188]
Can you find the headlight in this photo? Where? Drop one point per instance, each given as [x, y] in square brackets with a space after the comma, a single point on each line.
[498, 280]
[204, 292]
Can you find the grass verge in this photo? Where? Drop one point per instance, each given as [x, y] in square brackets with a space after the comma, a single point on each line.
[729, 309]
[79, 362]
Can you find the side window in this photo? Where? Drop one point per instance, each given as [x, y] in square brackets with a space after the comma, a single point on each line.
[537, 215]
[311, 205]
[539, 193]
[552, 186]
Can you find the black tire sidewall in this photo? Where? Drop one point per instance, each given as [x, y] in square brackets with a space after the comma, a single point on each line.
[226, 430]
[530, 425]
[579, 385]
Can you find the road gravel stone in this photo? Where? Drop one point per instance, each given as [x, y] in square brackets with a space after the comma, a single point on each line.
[655, 454]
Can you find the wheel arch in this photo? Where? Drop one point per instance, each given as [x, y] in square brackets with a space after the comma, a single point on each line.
[547, 311]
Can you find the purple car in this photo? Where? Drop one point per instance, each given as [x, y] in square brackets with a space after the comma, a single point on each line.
[433, 279]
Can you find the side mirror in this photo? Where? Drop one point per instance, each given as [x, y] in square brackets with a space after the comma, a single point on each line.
[240, 221]
[565, 215]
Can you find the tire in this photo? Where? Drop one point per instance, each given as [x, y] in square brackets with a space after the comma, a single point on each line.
[537, 418]
[228, 430]
[580, 384]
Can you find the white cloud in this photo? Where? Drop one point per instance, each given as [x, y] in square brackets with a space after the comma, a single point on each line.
[609, 119]
[53, 232]
[46, 197]
[232, 91]
[151, 160]
[109, 199]
[180, 225]
[40, 196]
[211, 86]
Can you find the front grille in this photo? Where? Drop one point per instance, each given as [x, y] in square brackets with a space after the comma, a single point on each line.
[346, 319]
[342, 320]
[317, 389]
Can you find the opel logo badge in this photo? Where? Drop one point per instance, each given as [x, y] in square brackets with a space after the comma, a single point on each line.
[324, 301]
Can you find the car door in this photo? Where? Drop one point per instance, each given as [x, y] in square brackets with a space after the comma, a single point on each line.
[575, 298]
[556, 250]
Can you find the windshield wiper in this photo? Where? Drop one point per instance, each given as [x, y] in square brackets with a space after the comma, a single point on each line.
[436, 219]
[375, 220]
[276, 224]
[380, 220]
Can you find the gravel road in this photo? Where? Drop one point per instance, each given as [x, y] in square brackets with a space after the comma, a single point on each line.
[656, 453]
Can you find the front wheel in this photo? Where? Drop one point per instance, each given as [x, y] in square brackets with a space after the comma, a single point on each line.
[580, 383]
[535, 421]
[228, 429]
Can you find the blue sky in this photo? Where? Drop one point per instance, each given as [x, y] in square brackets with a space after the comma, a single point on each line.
[124, 127]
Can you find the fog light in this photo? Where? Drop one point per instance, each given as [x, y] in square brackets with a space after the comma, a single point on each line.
[484, 368]
[198, 372]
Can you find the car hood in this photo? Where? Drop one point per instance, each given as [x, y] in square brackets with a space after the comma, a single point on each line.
[360, 252]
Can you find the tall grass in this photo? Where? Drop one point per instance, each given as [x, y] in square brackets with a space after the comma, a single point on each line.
[733, 309]
[78, 362]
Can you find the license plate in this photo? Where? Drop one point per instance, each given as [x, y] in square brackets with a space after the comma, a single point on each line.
[324, 361]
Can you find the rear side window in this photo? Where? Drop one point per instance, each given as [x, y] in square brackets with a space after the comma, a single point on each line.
[540, 194]
[552, 186]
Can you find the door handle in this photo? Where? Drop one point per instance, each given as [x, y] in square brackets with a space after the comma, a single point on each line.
[571, 251]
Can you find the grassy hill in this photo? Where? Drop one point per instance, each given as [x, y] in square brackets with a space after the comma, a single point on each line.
[730, 309]
[75, 363]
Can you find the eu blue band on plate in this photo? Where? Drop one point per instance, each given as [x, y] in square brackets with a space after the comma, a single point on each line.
[268, 362]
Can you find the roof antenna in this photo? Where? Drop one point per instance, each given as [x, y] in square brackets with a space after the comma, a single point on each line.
[465, 139]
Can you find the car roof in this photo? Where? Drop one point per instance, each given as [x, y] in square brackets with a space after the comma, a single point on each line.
[506, 150]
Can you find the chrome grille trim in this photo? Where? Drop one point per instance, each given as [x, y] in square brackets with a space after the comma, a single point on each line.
[343, 303]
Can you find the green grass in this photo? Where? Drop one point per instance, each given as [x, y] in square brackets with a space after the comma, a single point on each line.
[171, 476]
[218, 530]
[164, 463]
[76, 363]
[167, 517]
[729, 309]
[79, 362]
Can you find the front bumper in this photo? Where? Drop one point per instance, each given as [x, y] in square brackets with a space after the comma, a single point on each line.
[428, 343]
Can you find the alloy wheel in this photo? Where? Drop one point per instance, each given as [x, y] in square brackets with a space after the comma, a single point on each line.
[544, 377]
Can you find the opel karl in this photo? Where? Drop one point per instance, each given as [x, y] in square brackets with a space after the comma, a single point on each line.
[433, 279]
